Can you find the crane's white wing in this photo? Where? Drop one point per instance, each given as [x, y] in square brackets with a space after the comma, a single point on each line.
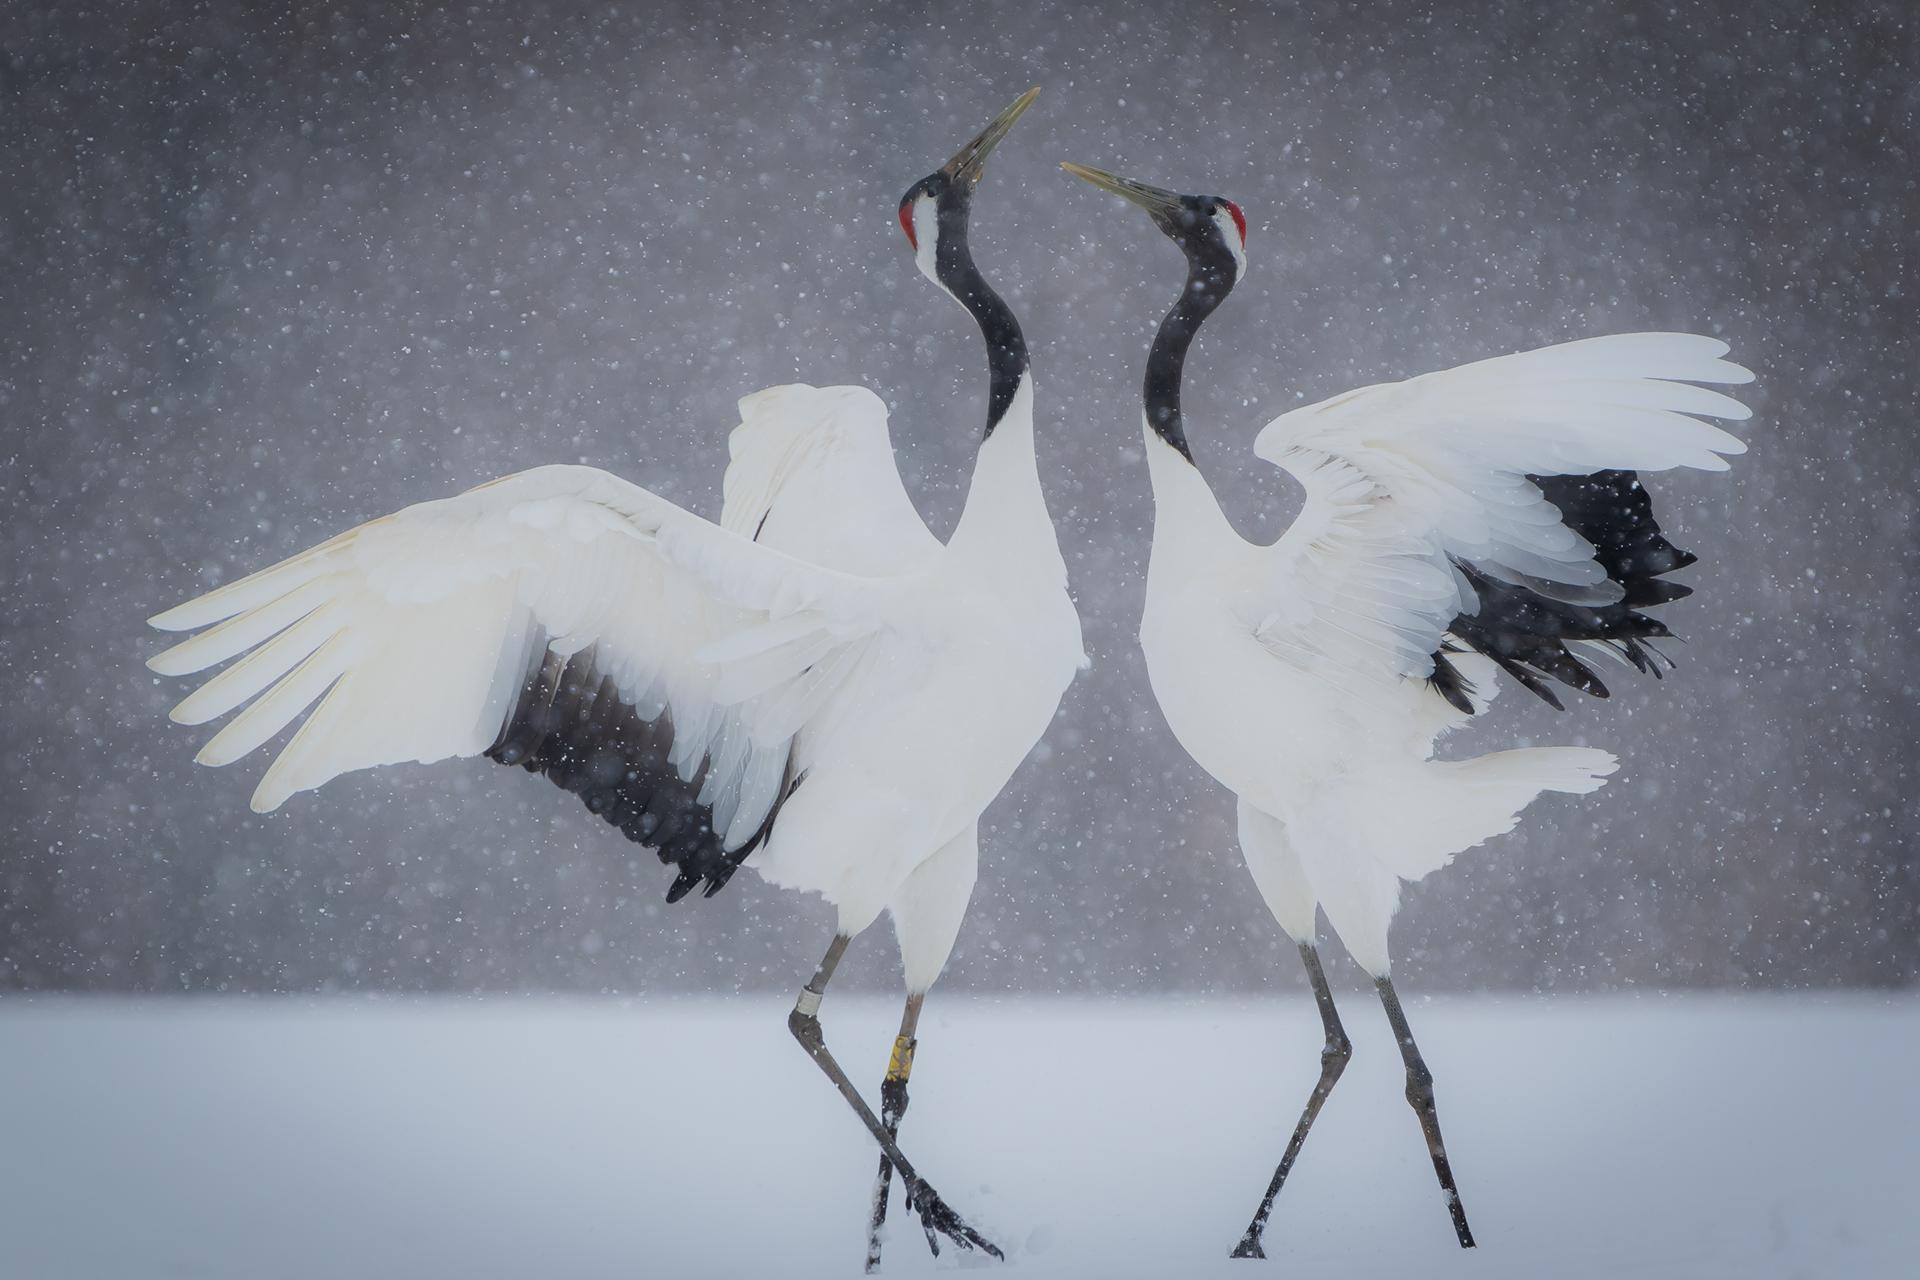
[1417, 491]
[813, 474]
[560, 618]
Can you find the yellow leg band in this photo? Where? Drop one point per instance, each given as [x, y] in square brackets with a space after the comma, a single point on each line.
[900, 1062]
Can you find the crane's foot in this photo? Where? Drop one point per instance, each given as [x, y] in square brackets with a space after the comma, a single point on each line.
[1249, 1247]
[938, 1219]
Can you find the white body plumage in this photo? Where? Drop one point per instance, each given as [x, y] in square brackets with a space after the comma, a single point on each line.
[1296, 673]
[899, 681]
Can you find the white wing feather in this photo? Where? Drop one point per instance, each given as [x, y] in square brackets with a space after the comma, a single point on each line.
[414, 633]
[813, 474]
[1404, 478]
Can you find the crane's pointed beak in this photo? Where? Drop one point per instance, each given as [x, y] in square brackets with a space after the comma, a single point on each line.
[1157, 201]
[968, 161]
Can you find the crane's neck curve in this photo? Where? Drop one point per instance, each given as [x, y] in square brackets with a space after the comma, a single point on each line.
[1208, 283]
[1005, 520]
[954, 268]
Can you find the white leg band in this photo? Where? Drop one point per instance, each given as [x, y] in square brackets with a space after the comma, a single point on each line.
[808, 1004]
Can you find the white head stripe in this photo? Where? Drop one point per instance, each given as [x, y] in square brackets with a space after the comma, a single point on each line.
[926, 234]
[1230, 232]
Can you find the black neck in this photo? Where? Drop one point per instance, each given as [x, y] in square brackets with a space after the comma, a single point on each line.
[1006, 345]
[1209, 280]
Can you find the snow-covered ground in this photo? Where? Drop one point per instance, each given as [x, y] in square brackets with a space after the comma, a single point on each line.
[1656, 1136]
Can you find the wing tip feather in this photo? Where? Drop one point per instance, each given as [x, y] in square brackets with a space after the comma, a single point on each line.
[265, 800]
[182, 617]
[213, 759]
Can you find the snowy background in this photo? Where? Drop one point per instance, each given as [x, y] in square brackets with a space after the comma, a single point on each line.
[1596, 1137]
[270, 270]
[273, 269]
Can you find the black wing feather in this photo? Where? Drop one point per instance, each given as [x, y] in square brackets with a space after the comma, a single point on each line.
[1527, 634]
[572, 724]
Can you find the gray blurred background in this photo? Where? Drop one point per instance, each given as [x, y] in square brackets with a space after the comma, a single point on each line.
[273, 269]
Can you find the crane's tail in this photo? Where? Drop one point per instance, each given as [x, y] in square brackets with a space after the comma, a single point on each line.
[1466, 801]
[1525, 773]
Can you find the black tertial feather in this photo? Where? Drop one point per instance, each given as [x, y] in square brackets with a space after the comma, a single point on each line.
[1447, 680]
[1527, 634]
[1614, 511]
[571, 723]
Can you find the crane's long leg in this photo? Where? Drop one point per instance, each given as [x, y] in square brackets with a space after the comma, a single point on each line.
[804, 1022]
[1420, 1097]
[893, 1105]
[1333, 1060]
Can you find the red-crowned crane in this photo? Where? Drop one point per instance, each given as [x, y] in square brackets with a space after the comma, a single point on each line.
[816, 683]
[1482, 519]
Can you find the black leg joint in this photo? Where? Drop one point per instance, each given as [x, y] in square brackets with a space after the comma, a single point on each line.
[893, 1101]
[1336, 1055]
[806, 1029]
[1419, 1086]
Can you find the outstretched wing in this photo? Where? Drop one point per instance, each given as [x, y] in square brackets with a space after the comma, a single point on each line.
[560, 619]
[813, 474]
[1492, 507]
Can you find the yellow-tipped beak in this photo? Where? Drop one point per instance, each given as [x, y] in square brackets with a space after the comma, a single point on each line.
[1155, 200]
[969, 160]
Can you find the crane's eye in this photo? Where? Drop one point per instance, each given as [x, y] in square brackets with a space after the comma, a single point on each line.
[1239, 218]
[906, 223]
